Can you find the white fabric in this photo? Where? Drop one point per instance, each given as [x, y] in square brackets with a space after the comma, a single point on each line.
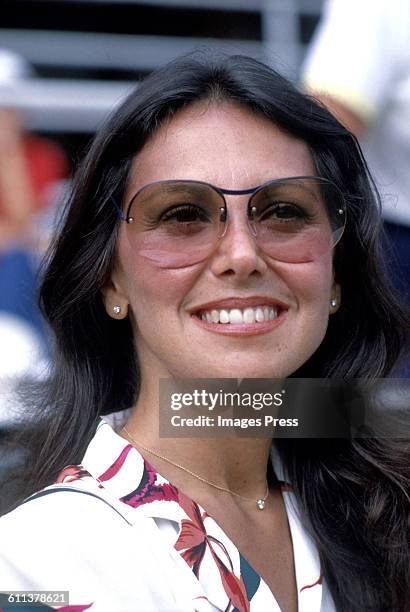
[114, 555]
[20, 355]
[20, 347]
[360, 55]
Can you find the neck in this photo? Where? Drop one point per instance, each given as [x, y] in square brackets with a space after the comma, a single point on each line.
[239, 464]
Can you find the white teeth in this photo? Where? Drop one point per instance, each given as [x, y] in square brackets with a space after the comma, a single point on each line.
[224, 316]
[215, 316]
[259, 316]
[235, 316]
[249, 315]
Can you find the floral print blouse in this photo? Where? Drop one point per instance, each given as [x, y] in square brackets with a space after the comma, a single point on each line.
[208, 571]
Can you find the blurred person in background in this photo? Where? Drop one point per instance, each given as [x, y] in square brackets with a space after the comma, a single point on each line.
[358, 65]
[29, 167]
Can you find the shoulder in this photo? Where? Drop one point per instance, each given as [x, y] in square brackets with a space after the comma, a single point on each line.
[60, 504]
[82, 541]
[378, 33]
[65, 522]
[72, 539]
[61, 520]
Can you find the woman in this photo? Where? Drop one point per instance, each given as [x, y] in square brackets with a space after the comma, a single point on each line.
[144, 284]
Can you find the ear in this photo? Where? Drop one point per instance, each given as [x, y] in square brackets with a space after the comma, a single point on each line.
[335, 298]
[114, 297]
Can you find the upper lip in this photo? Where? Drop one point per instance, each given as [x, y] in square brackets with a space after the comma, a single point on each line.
[241, 303]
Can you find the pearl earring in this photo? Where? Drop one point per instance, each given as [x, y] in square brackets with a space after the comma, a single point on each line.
[116, 310]
[333, 302]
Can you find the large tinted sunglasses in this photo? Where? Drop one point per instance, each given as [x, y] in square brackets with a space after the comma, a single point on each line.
[177, 223]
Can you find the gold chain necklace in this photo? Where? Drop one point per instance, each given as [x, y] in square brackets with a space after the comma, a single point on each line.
[259, 502]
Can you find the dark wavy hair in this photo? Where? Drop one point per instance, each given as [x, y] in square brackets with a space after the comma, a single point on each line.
[353, 495]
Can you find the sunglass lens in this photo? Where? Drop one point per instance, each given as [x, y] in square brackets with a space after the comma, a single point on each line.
[297, 220]
[176, 223]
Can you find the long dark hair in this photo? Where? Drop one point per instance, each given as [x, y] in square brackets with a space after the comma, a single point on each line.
[352, 495]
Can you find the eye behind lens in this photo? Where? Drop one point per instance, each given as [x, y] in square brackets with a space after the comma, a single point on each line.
[185, 213]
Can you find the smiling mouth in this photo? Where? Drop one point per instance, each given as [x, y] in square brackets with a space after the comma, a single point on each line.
[239, 316]
[245, 316]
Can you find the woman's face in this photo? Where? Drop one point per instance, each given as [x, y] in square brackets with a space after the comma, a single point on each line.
[231, 148]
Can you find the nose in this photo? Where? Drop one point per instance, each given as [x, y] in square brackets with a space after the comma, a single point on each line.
[237, 253]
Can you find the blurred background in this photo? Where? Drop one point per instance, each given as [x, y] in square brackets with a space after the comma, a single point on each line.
[86, 54]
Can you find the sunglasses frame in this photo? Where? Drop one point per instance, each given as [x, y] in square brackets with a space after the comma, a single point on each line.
[252, 191]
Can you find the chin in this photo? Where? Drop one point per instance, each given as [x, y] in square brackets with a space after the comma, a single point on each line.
[240, 370]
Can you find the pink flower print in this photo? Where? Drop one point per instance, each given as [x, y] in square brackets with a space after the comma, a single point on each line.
[71, 473]
[193, 540]
[148, 490]
[117, 465]
[309, 586]
[77, 608]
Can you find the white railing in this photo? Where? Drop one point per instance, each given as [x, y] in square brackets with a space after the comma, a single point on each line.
[66, 105]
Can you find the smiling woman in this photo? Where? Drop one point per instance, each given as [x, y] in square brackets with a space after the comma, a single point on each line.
[222, 225]
[195, 243]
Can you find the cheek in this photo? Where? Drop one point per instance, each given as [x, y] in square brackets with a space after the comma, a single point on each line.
[311, 285]
[153, 291]
[311, 282]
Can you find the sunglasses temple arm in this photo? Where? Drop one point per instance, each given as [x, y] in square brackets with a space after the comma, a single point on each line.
[120, 212]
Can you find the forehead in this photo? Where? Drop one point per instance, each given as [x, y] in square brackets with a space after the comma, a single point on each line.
[223, 144]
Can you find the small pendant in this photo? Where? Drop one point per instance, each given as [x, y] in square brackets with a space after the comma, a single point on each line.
[261, 504]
